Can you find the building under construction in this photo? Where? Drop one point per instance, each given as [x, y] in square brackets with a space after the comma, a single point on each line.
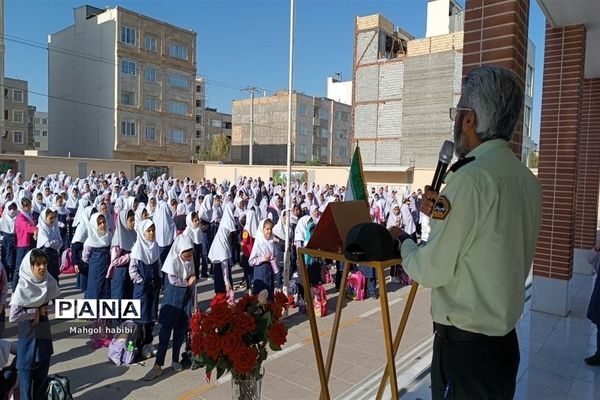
[403, 88]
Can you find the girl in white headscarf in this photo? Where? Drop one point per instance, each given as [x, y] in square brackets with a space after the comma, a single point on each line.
[50, 241]
[248, 235]
[177, 304]
[121, 286]
[37, 205]
[145, 273]
[96, 252]
[29, 308]
[192, 230]
[165, 228]
[220, 252]
[395, 218]
[262, 259]
[82, 221]
[140, 214]
[9, 241]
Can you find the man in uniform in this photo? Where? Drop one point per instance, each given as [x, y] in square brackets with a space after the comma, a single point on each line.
[484, 228]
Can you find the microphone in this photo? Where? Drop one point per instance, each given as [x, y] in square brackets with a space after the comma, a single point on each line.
[446, 153]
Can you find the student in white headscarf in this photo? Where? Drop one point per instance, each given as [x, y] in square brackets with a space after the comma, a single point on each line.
[29, 308]
[50, 241]
[177, 303]
[140, 214]
[145, 273]
[192, 230]
[262, 259]
[96, 252]
[9, 237]
[121, 286]
[82, 226]
[248, 235]
[220, 252]
[165, 228]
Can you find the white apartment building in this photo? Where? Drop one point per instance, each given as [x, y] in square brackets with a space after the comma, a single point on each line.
[121, 85]
[40, 131]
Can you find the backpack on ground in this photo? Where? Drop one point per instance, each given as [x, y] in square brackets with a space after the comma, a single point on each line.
[101, 337]
[319, 295]
[356, 286]
[59, 388]
[123, 350]
[9, 381]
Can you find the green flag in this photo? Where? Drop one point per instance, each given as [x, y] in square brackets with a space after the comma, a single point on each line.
[356, 190]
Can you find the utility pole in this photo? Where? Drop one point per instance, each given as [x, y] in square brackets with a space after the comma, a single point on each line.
[251, 90]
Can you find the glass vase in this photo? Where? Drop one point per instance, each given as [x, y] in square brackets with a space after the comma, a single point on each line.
[247, 388]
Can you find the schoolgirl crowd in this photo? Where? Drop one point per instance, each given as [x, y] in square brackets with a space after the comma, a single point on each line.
[153, 239]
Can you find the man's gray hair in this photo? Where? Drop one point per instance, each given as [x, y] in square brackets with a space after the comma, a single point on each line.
[496, 97]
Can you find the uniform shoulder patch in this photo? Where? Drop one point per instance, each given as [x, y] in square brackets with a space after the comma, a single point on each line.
[441, 208]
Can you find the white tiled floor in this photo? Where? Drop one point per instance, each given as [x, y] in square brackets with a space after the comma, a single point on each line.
[552, 353]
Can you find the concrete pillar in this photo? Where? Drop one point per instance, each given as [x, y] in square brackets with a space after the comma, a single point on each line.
[588, 175]
[564, 59]
[496, 33]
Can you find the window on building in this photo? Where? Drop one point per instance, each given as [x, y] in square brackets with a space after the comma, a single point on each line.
[303, 110]
[198, 103]
[128, 67]
[150, 43]
[302, 149]
[178, 80]
[323, 113]
[198, 134]
[17, 95]
[198, 119]
[5, 93]
[18, 137]
[36, 132]
[37, 121]
[342, 116]
[6, 115]
[150, 74]
[44, 121]
[127, 128]
[44, 133]
[342, 133]
[324, 132]
[17, 116]
[226, 125]
[197, 149]
[343, 151]
[323, 151]
[216, 123]
[529, 81]
[302, 129]
[198, 88]
[527, 120]
[177, 107]
[150, 133]
[178, 51]
[150, 103]
[176, 135]
[127, 98]
[128, 35]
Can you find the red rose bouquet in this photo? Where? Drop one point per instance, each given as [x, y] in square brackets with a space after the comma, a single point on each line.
[234, 337]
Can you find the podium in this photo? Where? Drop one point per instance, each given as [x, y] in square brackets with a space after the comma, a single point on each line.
[328, 242]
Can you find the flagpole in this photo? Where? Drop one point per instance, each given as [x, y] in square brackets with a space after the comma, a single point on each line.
[288, 192]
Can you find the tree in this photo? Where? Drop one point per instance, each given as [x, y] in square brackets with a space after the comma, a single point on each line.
[533, 160]
[220, 148]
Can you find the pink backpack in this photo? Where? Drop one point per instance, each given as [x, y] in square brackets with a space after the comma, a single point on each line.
[319, 295]
[66, 266]
[326, 274]
[356, 286]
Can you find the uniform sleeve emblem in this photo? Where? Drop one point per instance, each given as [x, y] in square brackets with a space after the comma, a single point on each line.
[441, 208]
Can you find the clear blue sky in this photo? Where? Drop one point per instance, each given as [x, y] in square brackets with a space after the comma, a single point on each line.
[244, 42]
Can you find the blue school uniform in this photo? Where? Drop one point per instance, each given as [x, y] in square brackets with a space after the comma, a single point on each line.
[9, 254]
[34, 348]
[206, 237]
[82, 276]
[174, 316]
[148, 293]
[98, 286]
[121, 286]
[63, 231]
[263, 278]
[53, 261]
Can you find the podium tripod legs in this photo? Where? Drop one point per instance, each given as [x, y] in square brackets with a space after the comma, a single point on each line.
[387, 333]
[407, 307]
[310, 311]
